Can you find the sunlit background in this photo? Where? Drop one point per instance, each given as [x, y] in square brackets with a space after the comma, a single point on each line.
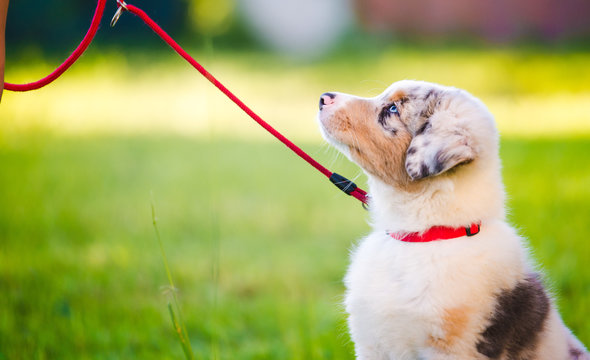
[257, 241]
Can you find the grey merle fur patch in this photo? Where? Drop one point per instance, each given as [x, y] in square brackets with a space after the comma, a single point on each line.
[518, 320]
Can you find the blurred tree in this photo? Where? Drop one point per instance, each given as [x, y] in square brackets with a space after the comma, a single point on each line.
[295, 27]
[212, 17]
[3, 10]
[52, 27]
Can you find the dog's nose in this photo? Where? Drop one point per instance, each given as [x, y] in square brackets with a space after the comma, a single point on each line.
[326, 99]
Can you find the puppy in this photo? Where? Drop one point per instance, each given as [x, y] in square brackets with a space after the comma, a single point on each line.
[442, 275]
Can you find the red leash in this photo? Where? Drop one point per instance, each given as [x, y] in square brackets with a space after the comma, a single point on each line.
[341, 182]
[70, 60]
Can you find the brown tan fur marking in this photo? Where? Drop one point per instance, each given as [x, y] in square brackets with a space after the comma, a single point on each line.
[398, 96]
[382, 154]
[455, 322]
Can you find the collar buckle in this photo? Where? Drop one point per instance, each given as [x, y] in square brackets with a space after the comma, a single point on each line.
[473, 229]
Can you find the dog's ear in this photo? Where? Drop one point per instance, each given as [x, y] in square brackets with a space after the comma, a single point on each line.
[441, 143]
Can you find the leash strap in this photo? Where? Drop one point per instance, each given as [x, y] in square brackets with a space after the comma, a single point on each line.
[347, 186]
[98, 12]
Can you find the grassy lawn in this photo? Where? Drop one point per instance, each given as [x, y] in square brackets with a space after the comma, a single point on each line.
[257, 240]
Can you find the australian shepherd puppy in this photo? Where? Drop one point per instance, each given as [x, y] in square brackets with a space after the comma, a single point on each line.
[442, 275]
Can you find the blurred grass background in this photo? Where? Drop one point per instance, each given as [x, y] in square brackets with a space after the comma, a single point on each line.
[257, 240]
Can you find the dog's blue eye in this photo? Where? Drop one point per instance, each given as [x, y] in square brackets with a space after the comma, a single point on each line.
[393, 109]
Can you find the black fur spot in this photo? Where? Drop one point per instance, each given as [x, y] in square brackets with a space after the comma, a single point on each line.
[426, 113]
[428, 94]
[383, 116]
[423, 128]
[424, 170]
[518, 319]
[411, 150]
[575, 354]
[439, 162]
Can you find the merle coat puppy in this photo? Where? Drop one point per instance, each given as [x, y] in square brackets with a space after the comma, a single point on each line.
[442, 275]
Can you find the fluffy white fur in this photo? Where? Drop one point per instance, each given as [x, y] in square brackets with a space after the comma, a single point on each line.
[431, 300]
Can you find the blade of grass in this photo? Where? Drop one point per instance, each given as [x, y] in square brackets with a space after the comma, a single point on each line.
[181, 332]
[177, 322]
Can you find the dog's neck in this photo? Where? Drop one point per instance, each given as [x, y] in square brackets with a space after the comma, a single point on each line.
[476, 194]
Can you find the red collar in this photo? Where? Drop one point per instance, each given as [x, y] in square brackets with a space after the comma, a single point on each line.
[437, 233]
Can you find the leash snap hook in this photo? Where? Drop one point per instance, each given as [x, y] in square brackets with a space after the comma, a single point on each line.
[122, 7]
[365, 205]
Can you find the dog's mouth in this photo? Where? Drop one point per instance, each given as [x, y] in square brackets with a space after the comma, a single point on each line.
[328, 133]
[324, 128]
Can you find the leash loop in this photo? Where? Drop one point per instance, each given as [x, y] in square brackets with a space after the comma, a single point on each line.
[122, 7]
[94, 24]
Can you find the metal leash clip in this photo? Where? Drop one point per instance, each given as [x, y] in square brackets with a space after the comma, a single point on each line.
[122, 7]
[366, 204]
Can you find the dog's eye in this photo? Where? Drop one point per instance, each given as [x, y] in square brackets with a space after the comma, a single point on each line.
[393, 109]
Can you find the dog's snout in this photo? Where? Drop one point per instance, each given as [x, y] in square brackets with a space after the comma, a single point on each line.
[326, 99]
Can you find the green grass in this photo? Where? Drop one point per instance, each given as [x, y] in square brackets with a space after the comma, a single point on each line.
[256, 240]
[173, 306]
[256, 260]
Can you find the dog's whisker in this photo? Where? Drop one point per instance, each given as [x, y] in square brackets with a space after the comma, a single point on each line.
[326, 148]
[335, 158]
[323, 148]
[358, 175]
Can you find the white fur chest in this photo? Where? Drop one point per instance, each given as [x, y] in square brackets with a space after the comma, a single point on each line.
[398, 293]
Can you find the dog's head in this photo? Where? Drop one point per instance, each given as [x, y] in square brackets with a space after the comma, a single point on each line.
[413, 133]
